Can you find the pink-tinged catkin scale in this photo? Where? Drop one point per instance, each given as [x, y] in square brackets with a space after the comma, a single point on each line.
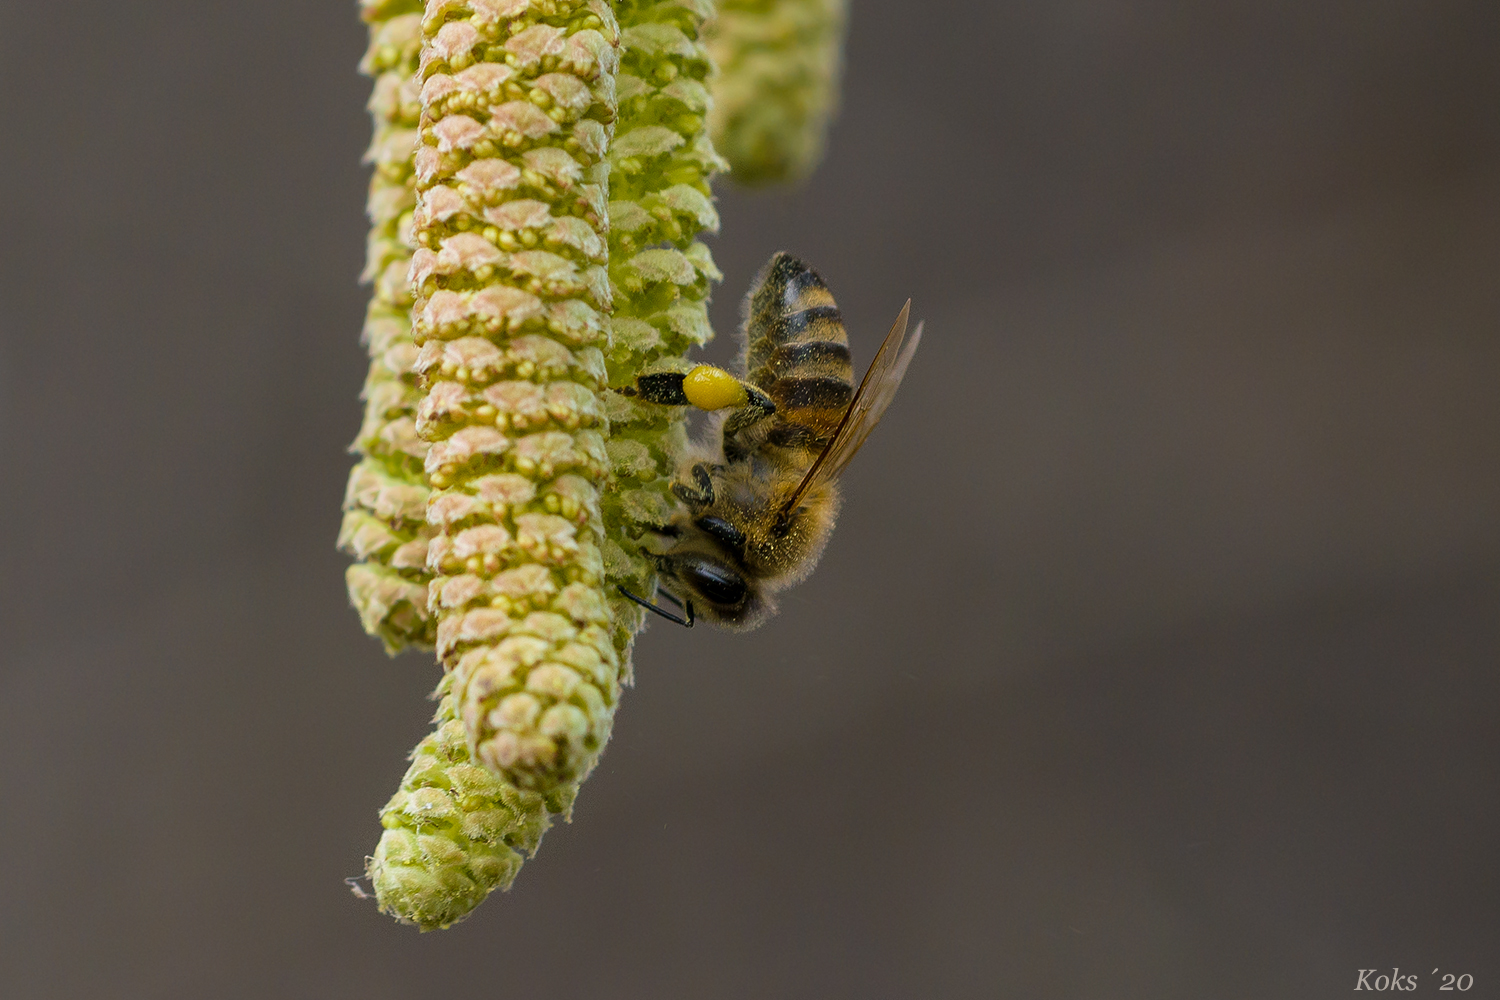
[454, 831]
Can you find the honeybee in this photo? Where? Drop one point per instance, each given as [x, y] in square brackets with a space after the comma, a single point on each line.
[760, 493]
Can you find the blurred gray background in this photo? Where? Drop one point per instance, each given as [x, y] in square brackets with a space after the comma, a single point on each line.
[1157, 653]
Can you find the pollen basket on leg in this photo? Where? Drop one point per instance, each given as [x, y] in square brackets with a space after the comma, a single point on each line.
[511, 297]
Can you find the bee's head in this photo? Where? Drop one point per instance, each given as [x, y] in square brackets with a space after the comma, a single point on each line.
[718, 590]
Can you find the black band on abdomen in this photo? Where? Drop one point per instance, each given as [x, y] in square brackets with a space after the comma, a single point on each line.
[812, 393]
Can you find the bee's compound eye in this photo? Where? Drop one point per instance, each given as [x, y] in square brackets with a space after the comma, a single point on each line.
[717, 583]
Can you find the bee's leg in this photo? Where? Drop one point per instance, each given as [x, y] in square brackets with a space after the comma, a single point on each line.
[662, 388]
[703, 481]
[703, 496]
[684, 622]
[746, 417]
[710, 388]
[706, 387]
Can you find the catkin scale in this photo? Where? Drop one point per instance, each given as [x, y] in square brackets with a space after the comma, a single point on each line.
[454, 831]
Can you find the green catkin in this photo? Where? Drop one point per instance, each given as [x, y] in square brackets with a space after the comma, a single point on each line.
[384, 524]
[511, 311]
[455, 831]
[661, 162]
[779, 63]
[507, 339]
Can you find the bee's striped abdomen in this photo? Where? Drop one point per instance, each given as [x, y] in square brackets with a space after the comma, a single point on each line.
[797, 350]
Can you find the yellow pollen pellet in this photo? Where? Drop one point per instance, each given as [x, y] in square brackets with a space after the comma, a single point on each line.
[710, 388]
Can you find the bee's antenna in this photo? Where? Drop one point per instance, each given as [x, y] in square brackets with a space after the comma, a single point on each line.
[670, 597]
[688, 607]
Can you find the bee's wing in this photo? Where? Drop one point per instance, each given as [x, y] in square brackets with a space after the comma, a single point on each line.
[874, 395]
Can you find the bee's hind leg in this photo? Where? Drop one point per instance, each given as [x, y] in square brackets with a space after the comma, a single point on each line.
[662, 388]
[706, 387]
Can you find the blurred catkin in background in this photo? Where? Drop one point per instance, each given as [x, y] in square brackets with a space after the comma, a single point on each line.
[778, 83]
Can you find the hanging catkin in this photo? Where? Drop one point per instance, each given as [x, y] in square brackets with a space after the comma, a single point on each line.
[384, 507]
[516, 525]
[661, 162]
